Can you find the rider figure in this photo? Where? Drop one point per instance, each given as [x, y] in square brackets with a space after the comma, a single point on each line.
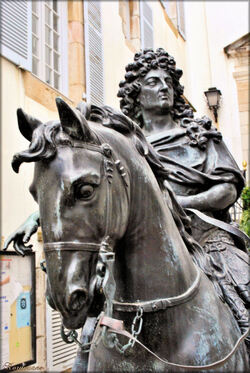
[203, 173]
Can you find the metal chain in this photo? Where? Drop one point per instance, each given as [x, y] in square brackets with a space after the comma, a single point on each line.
[71, 337]
[138, 320]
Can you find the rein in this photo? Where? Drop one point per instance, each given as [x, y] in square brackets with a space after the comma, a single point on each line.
[116, 327]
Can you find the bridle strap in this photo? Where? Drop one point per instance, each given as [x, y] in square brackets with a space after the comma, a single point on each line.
[160, 304]
[72, 246]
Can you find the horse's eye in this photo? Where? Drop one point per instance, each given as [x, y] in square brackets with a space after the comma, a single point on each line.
[85, 191]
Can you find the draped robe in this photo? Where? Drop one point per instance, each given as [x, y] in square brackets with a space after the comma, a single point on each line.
[194, 169]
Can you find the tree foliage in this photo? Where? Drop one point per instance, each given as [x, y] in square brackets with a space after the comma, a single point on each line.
[245, 221]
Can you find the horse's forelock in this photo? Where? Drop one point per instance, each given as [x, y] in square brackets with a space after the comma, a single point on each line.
[42, 145]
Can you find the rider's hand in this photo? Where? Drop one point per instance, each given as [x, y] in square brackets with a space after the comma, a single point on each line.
[22, 235]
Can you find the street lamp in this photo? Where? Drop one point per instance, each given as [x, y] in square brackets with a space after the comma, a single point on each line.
[213, 99]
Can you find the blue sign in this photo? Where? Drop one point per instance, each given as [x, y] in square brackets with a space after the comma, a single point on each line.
[23, 310]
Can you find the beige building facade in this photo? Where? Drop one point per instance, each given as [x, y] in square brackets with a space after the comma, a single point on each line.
[78, 50]
[238, 53]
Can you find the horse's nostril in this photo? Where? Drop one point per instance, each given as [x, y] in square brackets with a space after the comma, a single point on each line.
[77, 300]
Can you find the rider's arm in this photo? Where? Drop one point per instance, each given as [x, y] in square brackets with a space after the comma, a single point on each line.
[23, 233]
[218, 197]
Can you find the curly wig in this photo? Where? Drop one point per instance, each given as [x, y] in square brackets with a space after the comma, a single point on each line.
[144, 61]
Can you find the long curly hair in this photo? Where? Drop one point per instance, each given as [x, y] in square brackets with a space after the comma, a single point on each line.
[144, 61]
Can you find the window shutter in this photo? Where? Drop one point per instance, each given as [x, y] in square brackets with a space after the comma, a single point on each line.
[15, 20]
[166, 5]
[146, 20]
[171, 10]
[60, 355]
[181, 17]
[94, 52]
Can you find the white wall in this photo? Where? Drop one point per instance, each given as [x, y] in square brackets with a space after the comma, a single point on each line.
[227, 21]
[211, 26]
[197, 56]
[17, 202]
[116, 54]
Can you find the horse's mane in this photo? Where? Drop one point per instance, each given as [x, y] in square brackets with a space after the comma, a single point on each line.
[46, 137]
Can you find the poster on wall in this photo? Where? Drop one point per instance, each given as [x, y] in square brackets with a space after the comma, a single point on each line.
[17, 310]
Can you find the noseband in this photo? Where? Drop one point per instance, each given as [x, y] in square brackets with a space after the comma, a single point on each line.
[71, 246]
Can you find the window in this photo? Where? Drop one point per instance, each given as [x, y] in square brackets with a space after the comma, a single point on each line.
[181, 17]
[175, 11]
[49, 39]
[94, 52]
[34, 36]
[171, 10]
[15, 18]
[146, 23]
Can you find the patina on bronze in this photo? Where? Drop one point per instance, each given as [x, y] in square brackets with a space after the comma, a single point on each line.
[202, 172]
[102, 195]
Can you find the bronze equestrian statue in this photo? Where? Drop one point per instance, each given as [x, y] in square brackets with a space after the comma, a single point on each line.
[143, 248]
[113, 229]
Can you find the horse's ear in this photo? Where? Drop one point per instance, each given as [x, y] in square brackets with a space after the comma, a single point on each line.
[84, 108]
[27, 124]
[73, 122]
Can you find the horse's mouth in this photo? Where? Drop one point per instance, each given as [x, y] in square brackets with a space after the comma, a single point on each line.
[74, 322]
[75, 319]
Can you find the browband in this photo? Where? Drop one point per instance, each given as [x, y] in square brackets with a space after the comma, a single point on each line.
[83, 145]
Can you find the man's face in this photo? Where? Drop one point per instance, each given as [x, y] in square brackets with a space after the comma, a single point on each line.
[157, 92]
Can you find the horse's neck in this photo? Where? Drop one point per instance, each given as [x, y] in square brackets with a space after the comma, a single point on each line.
[152, 260]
